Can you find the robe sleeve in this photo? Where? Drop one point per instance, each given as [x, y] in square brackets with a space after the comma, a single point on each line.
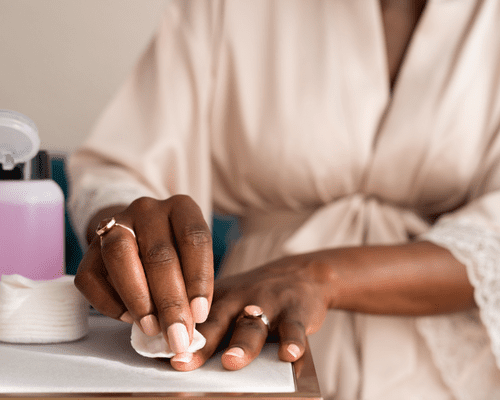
[466, 345]
[152, 140]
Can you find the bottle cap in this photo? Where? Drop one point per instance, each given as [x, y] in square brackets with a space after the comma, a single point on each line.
[19, 141]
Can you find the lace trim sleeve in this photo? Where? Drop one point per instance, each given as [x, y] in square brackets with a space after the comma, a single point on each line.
[466, 346]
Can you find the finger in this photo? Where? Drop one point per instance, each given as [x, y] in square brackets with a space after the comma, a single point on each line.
[166, 282]
[121, 259]
[215, 329]
[292, 334]
[249, 336]
[194, 242]
[91, 280]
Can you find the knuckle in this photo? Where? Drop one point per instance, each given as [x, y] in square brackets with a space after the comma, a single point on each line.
[182, 202]
[196, 236]
[137, 298]
[262, 292]
[160, 254]
[117, 248]
[180, 199]
[290, 296]
[143, 204]
[200, 279]
[166, 305]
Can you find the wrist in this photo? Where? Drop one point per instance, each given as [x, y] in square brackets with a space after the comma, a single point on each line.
[330, 270]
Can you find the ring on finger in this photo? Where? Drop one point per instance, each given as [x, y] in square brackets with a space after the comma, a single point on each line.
[107, 224]
[253, 311]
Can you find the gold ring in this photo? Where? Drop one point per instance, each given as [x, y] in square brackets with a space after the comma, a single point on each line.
[253, 311]
[108, 223]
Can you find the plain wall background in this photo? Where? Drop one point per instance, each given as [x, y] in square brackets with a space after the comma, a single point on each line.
[61, 61]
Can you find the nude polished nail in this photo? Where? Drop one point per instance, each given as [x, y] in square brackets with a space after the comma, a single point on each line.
[199, 308]
[293, 349]
[183, 357]
[150, 325]
[126, 317]
[178, 337]
[235, 352]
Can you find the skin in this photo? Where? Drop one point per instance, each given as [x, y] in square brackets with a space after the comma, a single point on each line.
[142, 279]
[155, 278]
[296, 292]
[400, 19]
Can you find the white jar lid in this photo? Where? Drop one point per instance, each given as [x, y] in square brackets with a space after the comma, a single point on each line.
[19, 141]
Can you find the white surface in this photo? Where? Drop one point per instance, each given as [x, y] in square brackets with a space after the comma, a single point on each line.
[104, 361]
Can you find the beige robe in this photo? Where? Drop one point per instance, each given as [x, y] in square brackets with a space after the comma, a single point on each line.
[280, 112]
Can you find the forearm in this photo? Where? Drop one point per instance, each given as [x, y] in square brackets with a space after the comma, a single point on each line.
[410, 279]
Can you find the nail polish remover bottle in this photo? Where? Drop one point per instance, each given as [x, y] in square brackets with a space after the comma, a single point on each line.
[31, 204]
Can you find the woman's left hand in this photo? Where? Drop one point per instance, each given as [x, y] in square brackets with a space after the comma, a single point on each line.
[292, 292]
[413, 279]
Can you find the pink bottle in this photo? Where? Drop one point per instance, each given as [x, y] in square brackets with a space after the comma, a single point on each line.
[31, 204]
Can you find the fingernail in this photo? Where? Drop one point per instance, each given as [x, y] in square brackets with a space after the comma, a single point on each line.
[150, 325]
[178, 337]
[235, 352]
[183, 357]
[199, 308]
[126, 317]
[294, 350]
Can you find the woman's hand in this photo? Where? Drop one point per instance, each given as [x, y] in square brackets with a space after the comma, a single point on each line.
[163, 278]
[412, 279]
[292, 294]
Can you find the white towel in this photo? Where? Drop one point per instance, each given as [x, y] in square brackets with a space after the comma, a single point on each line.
[50, 311]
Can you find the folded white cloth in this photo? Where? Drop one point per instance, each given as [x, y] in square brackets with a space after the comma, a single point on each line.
[157, 346]
[50, 311]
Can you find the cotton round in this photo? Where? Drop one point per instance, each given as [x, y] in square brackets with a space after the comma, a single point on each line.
[157, 346]
[51, 311]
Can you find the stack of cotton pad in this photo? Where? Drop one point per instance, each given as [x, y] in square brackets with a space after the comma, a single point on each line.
[157, 346]
[41, 311]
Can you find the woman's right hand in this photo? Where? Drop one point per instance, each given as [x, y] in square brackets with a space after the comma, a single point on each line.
[163, 279]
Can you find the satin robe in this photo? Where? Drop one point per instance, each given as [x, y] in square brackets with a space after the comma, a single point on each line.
[280, 112]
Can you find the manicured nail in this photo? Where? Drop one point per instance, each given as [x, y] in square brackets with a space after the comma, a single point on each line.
[126, 317]
[183, 357]
[150, 325]
[178, 337]
[235, 352]
[199, 308]
[294, 350]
